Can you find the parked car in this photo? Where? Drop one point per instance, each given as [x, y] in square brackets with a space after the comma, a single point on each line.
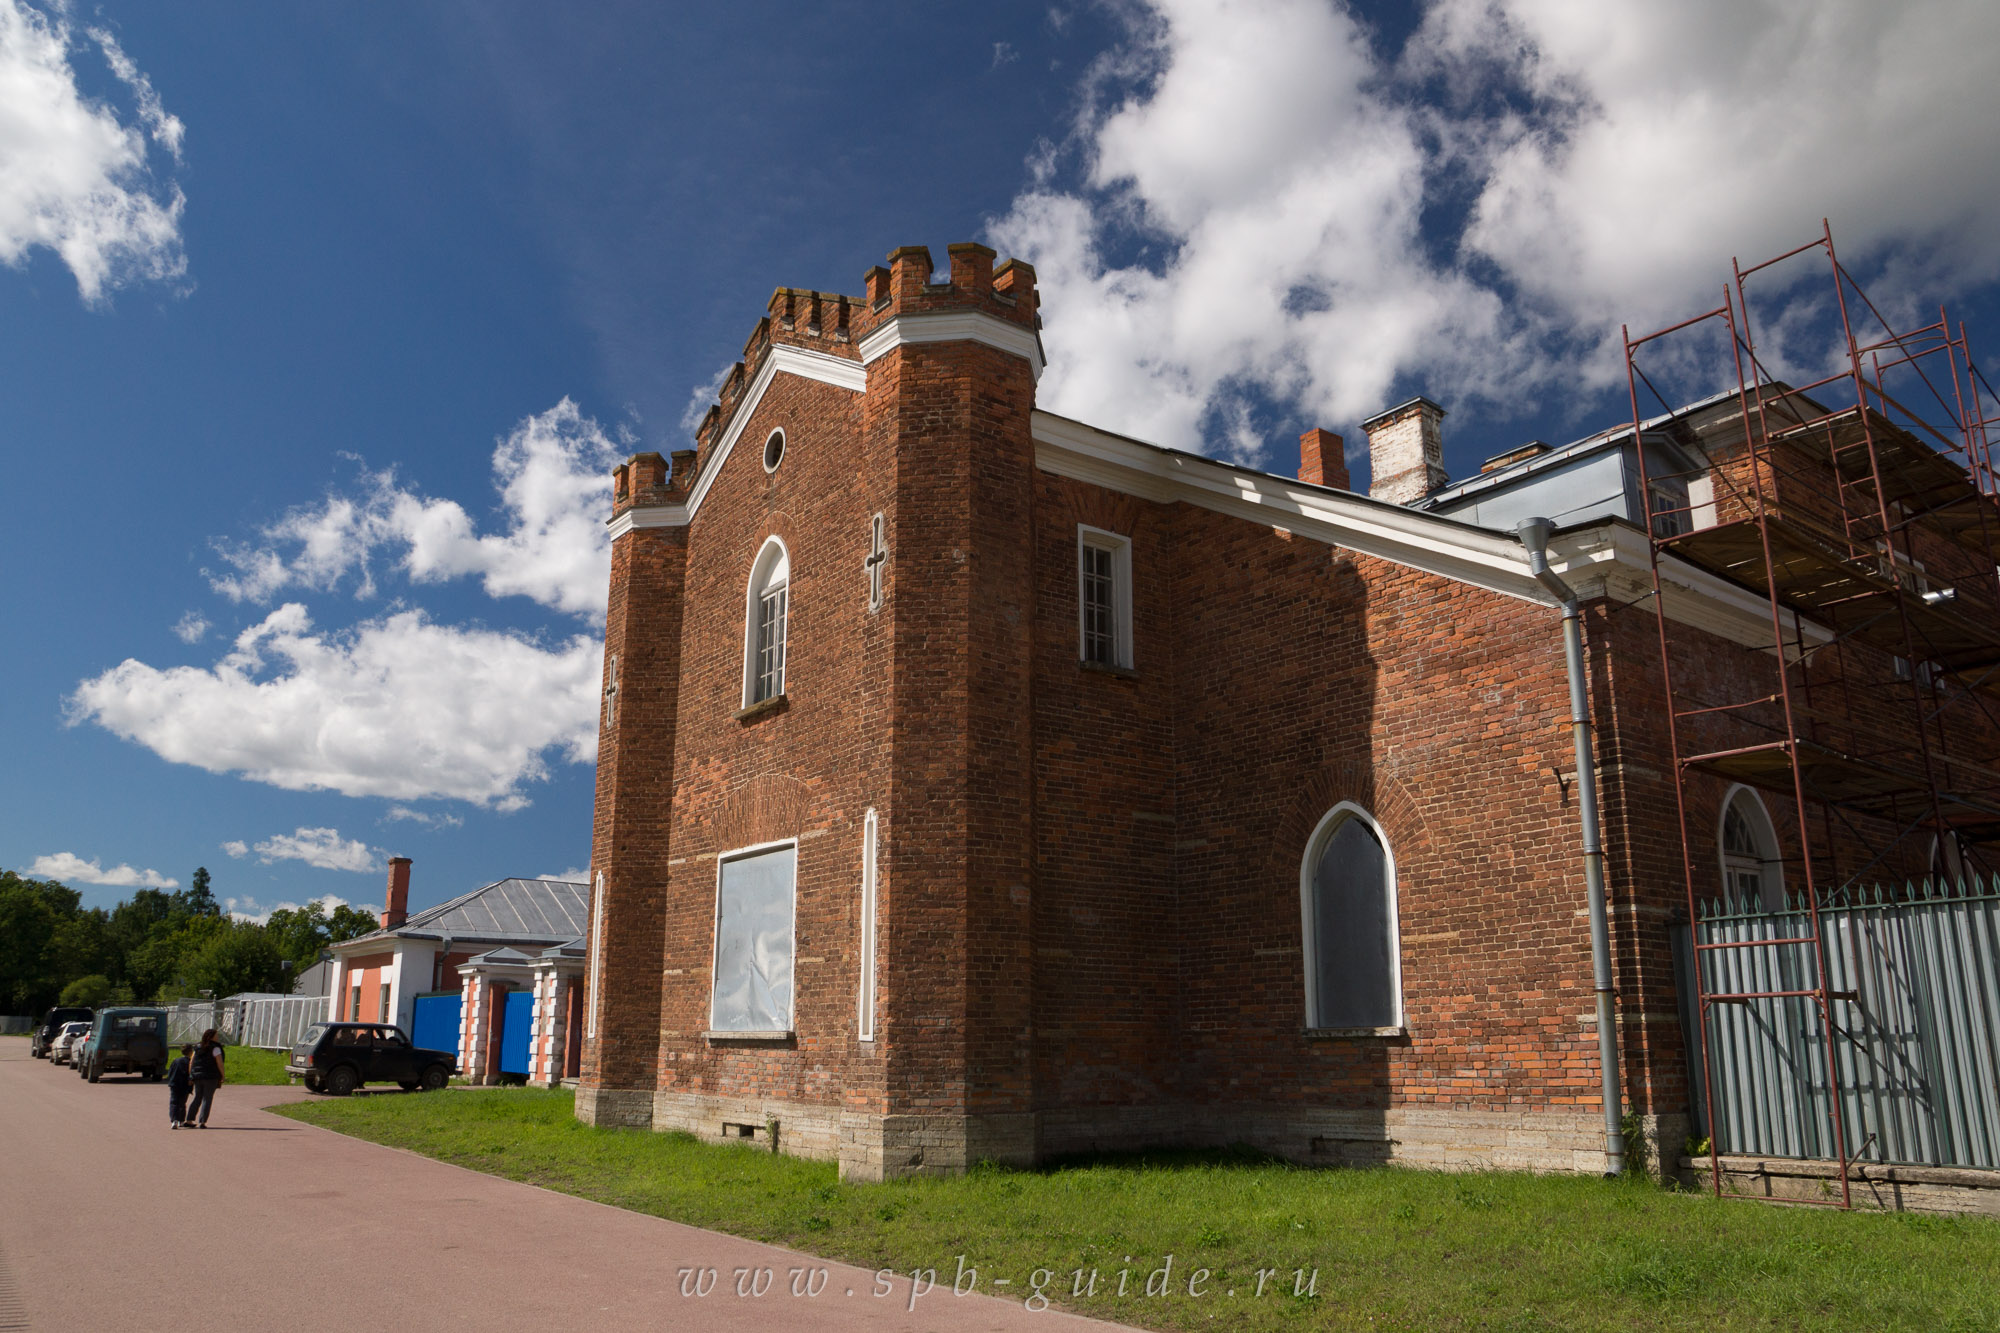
[132, 1041]
[337, 1058]
[79, 1051]
[41, 1041]
[66, 1037]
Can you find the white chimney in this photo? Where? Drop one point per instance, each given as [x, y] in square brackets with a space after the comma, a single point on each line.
[1406, 451]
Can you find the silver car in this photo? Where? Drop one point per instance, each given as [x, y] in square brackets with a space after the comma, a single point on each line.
[59, 1051]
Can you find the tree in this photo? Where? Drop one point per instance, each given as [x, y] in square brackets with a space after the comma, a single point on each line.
[237, 956]
[196, 900]
[300, 933]
[31, 911]
[96, 991]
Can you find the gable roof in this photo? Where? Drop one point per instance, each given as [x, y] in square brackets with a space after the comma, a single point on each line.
[507, 911]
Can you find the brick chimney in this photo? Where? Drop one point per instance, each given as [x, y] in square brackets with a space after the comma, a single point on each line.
[1321, 460]
[396, 910]
[1406, 451]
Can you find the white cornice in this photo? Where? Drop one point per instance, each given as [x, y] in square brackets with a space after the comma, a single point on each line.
[824, 367]
[1607, 560]
[658, 516]
[954, 326]
[837, 371]
[1390, 532]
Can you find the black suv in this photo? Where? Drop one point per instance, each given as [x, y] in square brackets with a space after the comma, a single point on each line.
[337, 1058]
[132, 1040]
[44, 1036]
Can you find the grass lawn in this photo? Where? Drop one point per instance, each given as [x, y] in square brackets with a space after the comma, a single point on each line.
[1393, 1249]
[249, 1065]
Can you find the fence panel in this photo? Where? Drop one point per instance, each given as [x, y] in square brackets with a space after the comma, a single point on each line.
[1916, 1028]
[278, 1022]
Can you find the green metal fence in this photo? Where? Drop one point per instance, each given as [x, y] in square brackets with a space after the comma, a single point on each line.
[1915, 980]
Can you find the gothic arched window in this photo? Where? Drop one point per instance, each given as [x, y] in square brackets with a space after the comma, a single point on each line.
[1347, 886]
[765, 615]
[1752, 871]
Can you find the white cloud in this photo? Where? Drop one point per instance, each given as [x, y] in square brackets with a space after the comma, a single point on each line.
[191, 628]
[577, 875]
[237, 848]
[399, 707]
[74, 179]
[553, 472]
[320, 847]
[422, 818]
[73, 869]
[1266, 212]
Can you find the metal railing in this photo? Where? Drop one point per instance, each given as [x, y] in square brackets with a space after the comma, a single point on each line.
[1913, 986]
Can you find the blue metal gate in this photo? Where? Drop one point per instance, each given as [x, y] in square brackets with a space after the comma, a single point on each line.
[435, 1027]
[516, 1020]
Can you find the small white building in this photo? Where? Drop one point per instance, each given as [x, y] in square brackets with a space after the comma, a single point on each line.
[379, 977]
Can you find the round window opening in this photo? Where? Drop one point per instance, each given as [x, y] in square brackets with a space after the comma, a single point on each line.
[774, 451]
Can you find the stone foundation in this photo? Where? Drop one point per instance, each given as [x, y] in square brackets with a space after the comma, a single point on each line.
[872, 1147]
[1913, 1189]
[621, 1108]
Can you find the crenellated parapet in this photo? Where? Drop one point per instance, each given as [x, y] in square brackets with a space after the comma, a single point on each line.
[856, 329]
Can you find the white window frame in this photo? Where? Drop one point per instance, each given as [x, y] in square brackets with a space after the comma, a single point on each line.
[1120, 548]
[715, 928]
[772, 553]
[1322, 834]
[611, 690]
[596, 956]
[770, 464]
[1763, 831]
[871, 843]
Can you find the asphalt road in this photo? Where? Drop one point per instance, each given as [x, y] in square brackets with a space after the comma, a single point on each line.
[109, 1221]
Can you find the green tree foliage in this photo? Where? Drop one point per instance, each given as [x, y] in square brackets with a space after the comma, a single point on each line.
[302, 932]
[195, 899]
[31, 910]
[152, 946]
[234, 957]
[96, 991]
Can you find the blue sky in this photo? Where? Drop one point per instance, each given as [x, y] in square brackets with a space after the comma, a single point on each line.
[319, 325]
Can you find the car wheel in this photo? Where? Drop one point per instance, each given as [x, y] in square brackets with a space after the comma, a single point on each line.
[313, 1084]
[342, 1081]
[95, 1071]
[434, 1078]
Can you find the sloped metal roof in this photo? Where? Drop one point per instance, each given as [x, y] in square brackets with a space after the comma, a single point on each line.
[508, 911]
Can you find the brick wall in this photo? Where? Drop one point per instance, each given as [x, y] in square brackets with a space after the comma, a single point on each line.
[1089, 880]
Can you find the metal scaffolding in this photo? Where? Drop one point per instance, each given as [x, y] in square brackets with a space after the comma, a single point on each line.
[1861, 507]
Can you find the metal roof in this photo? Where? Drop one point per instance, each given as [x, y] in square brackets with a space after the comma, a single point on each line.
[508, 911]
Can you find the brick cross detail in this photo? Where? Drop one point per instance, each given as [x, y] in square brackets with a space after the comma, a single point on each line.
[878, 555]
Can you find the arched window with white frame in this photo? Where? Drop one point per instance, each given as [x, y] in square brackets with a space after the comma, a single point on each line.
[766, 612]
[1753, 871]
[1347, 897]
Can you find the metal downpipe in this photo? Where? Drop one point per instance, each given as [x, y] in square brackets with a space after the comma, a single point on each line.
[1534, 535]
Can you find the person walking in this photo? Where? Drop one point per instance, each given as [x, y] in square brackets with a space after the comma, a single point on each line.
[179, 1083]
[205, 1068]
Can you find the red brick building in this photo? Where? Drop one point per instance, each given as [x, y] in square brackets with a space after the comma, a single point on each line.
[979, 783]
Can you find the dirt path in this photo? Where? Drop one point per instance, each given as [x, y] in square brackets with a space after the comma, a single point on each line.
[108, 1221]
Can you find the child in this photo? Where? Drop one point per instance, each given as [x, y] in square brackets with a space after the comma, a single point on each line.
[179, 1081]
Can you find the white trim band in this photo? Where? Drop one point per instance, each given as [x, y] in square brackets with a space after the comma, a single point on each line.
[954, 326]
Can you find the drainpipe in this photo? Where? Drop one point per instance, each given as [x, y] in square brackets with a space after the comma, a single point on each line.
[1534, 535]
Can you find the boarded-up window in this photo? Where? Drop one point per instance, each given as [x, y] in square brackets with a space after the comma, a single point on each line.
[753, 943]
[1351, 924]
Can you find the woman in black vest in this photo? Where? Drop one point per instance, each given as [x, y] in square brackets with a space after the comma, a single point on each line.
[205, 1067]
